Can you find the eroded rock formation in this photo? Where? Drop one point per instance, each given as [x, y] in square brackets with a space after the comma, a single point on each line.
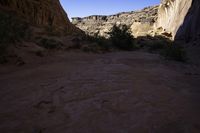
[171, 15]
[181, 18]
[40, 12]
[175, 19]
[98, 25]
[190, 29]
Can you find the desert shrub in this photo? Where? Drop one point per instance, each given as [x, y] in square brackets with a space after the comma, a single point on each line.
[156, 45]
[103, 43]
[121, 37]
[159, 44]
[92, 47]
[153, 44]
[49, 43]
[174, 52]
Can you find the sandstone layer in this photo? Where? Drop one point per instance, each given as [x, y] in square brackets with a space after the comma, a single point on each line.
[47, 13]
[190, 29]
[171, 14]
[175, 19]
[181, 18]
[98, 25]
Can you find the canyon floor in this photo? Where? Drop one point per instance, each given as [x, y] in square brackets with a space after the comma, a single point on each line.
[119, 92]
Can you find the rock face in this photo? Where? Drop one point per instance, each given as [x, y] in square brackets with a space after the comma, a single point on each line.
[141, 29]
[190, 29]
[180, 17]
[174, 19]
[40, 12]
[138, 21]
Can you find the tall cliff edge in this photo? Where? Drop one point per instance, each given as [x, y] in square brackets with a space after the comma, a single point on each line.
[40, 13]
[181, 18]
[141, 22]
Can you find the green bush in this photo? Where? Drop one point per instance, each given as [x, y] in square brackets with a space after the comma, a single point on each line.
[174, 52]
[168, 49]
[103, 43]
[121, 37]
[49, 43]
[153, 44]
[156, 45]
[93, 48]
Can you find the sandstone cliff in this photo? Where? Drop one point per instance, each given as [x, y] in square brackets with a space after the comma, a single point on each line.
[180, 17]
[190, 29]
[175, 19]
[141, 22]
[40, 13]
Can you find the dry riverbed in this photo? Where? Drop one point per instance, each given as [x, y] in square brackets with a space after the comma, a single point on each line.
[119, 92]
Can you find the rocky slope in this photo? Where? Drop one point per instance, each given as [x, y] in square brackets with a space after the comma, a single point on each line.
[47, 13]
[101, 25]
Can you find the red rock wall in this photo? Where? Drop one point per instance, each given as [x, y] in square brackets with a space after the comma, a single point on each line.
[40, 12]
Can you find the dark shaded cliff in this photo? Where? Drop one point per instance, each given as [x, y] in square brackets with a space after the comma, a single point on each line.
[181, 18]
[190, 29]
[47, 13]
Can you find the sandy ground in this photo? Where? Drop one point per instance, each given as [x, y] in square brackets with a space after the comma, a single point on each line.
[121, 92]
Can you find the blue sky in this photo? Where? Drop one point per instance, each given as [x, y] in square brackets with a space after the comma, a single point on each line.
[83, 8]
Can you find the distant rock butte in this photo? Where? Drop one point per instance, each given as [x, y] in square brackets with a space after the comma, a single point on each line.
[141, 22]
[175, 19]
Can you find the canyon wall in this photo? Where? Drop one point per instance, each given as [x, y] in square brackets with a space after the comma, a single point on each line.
[190, 29]
[174, 19]
[181, 18]
[140, 22]
[40, 13]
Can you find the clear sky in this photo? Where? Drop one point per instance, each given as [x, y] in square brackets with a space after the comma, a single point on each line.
[83, 8]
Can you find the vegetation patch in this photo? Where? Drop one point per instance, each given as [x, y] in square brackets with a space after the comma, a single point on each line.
[49, 43]
[165, 47]
[121, 37]
[101, 43]
[174, 52]
[153, 44]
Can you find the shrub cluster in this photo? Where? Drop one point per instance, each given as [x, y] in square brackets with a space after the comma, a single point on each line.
[168, 49]
[102, 43]
[49, 43]
[121, 37]
[174, 52]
